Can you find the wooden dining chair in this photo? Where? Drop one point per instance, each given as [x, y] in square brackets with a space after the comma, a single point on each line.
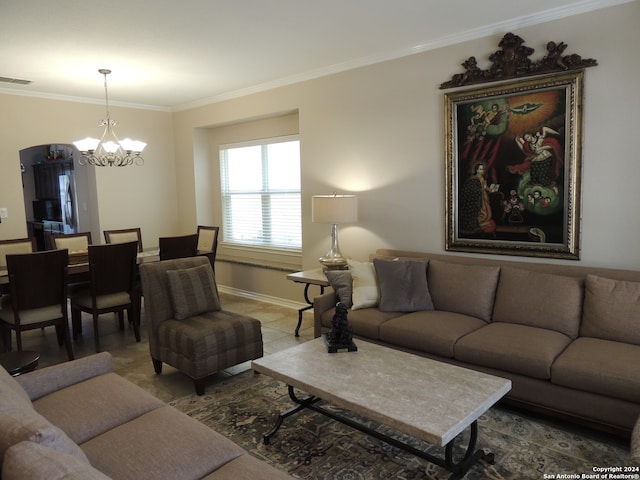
[208, 242]
[13, 246]
[74, 242]
[112, 270]
[124, 235]
[178, 247]
[38, 298]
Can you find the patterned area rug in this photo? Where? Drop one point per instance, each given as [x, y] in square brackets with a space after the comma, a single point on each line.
[312, 446]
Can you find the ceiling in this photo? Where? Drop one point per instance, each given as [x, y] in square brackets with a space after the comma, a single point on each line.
[171, 54]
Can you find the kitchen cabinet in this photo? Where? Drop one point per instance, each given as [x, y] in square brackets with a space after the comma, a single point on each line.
[46, 177]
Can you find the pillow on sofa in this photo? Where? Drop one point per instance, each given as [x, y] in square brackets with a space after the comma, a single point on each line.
[36, 462]
[543, 300]
[342, 284]
[403, 285]
[22, 424]
[611, 310]
[365, 286]
[466, 289]
[193, 291]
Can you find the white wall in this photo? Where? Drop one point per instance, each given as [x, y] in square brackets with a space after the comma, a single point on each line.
[379, 131]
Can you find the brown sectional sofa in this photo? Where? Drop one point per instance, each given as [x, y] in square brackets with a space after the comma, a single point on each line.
[80, 421]
[568, 337]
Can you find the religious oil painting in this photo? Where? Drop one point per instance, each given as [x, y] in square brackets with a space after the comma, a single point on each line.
[513, 168]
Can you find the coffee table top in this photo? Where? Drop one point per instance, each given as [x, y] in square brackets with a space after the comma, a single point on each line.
[430, 400]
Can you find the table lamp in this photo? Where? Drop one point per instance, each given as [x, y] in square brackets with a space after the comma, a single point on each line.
[334, 209]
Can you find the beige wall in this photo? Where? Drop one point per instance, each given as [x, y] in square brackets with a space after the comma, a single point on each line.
[377, 131]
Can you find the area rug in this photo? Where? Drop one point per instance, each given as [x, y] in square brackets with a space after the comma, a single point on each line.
[312, 446]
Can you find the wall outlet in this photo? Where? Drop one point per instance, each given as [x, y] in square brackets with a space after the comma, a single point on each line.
[4, 213]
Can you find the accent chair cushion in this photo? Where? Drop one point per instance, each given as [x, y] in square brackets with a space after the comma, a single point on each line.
[342, 284]
[365, 285]
[466, 289]
[543, 300]
[37, 462]
[193, 291]
[611, 310]
[403, 285]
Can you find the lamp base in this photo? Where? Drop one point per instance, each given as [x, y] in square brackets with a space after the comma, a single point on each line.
[333, 263]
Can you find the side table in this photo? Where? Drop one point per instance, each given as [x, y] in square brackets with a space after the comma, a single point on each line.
[308, 277]
[19, 362]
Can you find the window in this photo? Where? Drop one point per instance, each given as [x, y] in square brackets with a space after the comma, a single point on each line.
[261, 194]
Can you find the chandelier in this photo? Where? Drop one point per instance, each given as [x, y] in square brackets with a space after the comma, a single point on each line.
[109, 151]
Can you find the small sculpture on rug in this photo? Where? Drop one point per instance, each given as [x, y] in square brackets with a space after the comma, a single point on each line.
[341, 335]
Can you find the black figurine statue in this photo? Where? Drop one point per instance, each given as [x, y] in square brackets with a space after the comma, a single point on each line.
[341, 335]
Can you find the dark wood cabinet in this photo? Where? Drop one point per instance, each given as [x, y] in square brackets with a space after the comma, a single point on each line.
[46, 177]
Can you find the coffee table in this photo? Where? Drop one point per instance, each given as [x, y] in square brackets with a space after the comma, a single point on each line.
[429, 400]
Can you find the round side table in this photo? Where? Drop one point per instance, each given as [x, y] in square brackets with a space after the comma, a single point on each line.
[17, 363]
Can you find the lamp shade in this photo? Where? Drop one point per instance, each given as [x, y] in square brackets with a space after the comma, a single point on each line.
[335, 209]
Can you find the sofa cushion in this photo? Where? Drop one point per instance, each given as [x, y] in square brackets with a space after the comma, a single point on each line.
[342, 284]
[611, 310]
[539, 300]
[37, 462]
[466, 289]
[365, 322]
[193, 291]
[403, 285]
[12, 395]
[514, 348]
[365, 285]
[25, 424]
[74, 408]
[160, 445]
[434, 331]
[600, 366]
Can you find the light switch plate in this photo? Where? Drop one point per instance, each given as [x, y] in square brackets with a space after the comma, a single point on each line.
[4, 213]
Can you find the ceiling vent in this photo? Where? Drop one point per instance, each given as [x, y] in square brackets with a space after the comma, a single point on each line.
[15, 80]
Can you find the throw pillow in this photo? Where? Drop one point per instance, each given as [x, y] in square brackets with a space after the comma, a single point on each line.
[193, 291]
[342, 284]
[611, 310]
[403, 285]
[365, 286]
[36, 462]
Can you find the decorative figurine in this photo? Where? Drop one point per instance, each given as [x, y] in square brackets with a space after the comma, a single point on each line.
[341, 335]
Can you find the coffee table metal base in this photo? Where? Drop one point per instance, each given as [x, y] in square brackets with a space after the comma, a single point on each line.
[457, 468]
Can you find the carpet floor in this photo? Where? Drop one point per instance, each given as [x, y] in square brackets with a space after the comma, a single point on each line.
[312, 446]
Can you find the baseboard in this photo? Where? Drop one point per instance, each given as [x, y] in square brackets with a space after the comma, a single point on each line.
[281, 302]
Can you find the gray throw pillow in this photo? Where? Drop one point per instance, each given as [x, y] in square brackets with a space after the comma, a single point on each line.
[342, 284]
[193, 291]
[403, 285]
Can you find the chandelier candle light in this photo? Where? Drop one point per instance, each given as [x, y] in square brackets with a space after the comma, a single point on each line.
[334, 209]
[109, 151]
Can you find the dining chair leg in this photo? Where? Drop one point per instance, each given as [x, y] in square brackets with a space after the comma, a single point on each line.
[96, 334]
[132, 315]
[67, 340]
[76, 322]
[6, 338]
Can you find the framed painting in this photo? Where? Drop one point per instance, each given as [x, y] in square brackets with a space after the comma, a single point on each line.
[513, 167]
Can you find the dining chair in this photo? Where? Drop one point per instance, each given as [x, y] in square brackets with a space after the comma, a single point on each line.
[74, 242]
[13, 246]
[38, 298]
[112, 272]
[208, 242]
[178, 247]
[124, 235]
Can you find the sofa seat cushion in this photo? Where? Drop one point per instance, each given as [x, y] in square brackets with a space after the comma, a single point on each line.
[37, 462]
[466, 289]
[163, 444]
[365, 322]
[514, 348]
[600, 366]
[74, 408]
[203, 344]
[433, 332]
[539, 300]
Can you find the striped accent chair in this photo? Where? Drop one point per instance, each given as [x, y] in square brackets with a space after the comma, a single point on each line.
[186, 324]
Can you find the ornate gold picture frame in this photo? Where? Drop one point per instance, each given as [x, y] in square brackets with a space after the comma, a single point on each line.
[513, 167]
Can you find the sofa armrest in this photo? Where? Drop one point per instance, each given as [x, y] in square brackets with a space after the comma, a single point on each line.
[46, 380]
[635, 443]
[321, 304]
